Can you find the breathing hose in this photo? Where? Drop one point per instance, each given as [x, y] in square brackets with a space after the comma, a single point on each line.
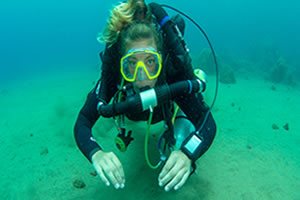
[156, 96]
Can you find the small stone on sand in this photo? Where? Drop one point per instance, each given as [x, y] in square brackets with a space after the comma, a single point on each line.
[275, 126]
[286, 126]
[78, 184]
[93, 173]
[44, 151]
[249, 146]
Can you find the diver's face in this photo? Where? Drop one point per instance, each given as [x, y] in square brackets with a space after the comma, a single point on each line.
[142, 80]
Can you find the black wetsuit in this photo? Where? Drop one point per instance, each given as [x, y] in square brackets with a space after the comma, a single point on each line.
[192, 105]
[175, 68]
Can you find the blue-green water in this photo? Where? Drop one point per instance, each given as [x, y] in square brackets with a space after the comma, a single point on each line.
[49, 61]
[35, 34]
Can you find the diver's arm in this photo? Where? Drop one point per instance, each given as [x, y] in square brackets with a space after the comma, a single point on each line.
[87, 117]
[196, 110]
[104, 91]
[106, 164]
[180, 68]
[199, 114]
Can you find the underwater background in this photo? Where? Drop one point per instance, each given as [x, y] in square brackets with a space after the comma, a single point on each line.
[49, 61]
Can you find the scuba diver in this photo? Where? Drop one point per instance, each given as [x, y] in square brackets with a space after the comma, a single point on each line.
[146, 70]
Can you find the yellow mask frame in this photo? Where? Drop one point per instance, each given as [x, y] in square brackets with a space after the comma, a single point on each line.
[140, 64]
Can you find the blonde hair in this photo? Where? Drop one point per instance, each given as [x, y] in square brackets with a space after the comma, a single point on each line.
[139, 31]
[120, 16]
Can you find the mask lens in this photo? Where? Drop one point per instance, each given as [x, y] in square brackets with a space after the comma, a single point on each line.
[152, 64]
[129, 66]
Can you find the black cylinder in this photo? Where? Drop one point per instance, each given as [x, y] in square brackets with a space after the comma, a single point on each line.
[164, 93]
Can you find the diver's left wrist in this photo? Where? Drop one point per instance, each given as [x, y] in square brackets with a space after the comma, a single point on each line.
[191, 146]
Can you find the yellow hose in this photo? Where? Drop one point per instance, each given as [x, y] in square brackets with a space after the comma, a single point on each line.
[146, 143]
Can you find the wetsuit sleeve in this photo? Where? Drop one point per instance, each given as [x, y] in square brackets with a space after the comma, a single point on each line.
[86, 119]
[104, 91]
[180, 68]
[195, 108]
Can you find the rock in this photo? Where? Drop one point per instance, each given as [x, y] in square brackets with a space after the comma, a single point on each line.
[79, 184]
[44, 151]
[93, 173]
[286, 127]
[278, 73]
[249, 147]
[205, 61]
[273, 88]
[275, 127]
[227, 75]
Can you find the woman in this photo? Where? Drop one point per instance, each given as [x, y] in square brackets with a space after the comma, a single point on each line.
[136, 55]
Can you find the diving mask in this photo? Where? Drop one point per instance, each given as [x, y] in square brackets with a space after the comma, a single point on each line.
[141, 64]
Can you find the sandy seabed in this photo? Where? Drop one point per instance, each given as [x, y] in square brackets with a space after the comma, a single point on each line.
[253, 155]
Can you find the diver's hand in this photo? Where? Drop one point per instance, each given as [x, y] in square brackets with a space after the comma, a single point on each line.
[109, 168]
[176, 171]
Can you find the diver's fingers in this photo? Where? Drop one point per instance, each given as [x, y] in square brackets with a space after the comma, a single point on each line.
[169, 177]
[166, 169]
[183, 180]
[175, 180]
[111, 172]
[101, 174]
[119, 171]
[106, 168]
